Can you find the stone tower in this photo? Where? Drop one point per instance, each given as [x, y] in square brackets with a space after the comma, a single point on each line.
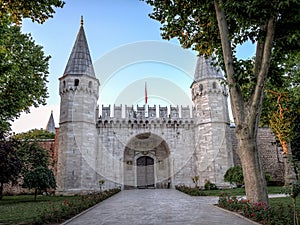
[78, 89]
[213, 150]
[51, 125]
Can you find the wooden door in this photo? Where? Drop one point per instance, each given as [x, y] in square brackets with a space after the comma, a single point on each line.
[145, 172]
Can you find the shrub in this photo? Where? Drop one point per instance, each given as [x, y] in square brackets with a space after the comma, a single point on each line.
[210, 186]
[195, 180]
[258, 212]
[234, 175]
[190, 191]
[70, 208]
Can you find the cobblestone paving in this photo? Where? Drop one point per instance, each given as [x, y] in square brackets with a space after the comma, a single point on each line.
[157, 207]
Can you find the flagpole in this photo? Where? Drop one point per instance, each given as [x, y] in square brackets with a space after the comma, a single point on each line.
[146, 101]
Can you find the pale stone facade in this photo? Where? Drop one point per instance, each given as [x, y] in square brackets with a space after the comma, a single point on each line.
[140, 150]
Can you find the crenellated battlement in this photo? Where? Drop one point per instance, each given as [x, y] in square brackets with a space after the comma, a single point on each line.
[145, 117]
[143, 112]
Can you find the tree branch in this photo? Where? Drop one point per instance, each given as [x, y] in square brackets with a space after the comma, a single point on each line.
[235, 91]
[257, 97]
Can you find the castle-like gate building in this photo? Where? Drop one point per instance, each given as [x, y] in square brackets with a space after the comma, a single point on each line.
[141, 149]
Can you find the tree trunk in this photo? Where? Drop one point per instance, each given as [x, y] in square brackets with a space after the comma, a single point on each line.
[1, 191]
[246, 113]
[289, 172]
[255, 183]
[35, 194]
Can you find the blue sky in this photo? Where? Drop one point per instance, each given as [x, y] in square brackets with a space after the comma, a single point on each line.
[127, 50]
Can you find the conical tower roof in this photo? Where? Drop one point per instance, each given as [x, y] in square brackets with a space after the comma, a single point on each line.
[51, 125]
[205, 70]
[80, 62]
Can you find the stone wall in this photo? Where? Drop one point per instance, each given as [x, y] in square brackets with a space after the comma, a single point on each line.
[269, 153]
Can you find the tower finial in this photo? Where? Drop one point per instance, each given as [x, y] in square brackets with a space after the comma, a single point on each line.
[81, 21]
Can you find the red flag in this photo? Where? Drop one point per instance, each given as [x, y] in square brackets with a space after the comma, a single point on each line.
[146, 95]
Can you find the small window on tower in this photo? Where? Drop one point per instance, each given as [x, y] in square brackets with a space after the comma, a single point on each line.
[214, 85]
[76, 82]
[200, 87]
[90, 84]
[64, 84]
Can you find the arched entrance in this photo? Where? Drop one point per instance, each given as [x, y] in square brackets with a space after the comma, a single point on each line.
[145, 172]
[146, 162]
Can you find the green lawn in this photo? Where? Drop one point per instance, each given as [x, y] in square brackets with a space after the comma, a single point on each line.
[231, 192]
[285, 202]
[241, 191]
[22, 209]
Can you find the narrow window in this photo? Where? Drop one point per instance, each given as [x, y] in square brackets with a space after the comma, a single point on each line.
[76, 82]
[200, 87]
[214, 85]
[90, 84]
[64, 84]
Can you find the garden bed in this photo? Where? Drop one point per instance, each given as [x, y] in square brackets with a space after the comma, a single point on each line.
[23, 209]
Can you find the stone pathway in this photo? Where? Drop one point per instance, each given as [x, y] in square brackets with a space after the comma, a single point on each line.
[157, 207]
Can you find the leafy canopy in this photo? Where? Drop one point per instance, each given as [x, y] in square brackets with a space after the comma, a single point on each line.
[10, 163]
[32, 156]
[35, 134]
[40, 178]
[234, 175]
[195, 25]
[23, 74]
[37, 10]
[281, 107]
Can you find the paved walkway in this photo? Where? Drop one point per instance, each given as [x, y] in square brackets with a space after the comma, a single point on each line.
[157, 207]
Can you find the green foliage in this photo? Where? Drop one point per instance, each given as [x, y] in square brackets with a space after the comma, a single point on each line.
[23, 74]
[40, 178]
[268, 177]
[10, 163]
[229, 192]
[35, 134]
[218, 28]
[37, 10]
[33, 156]
[195, 180]
[281, 107]
[279, 213]
[294, 190]
[47, 209]
[210, 186]
[234, 175]
[191, 191]
[195, 24]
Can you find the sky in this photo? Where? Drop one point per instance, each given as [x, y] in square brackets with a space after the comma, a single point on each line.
[127, 52]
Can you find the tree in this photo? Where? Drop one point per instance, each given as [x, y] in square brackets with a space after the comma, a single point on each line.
[32, 156]
[23, 73]
[23, 65]
[39, 179]
[35, 134]
[10, 163]
[218, 27]
[234, 175]
[39, 10]
[281, 108]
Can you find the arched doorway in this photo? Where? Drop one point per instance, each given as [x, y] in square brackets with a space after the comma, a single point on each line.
[145, 172]
[146, 162]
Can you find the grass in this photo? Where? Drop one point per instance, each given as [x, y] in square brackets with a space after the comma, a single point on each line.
[241, 191]
[231, 192]
[23, 209]
[280, 211]
[286, 202]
